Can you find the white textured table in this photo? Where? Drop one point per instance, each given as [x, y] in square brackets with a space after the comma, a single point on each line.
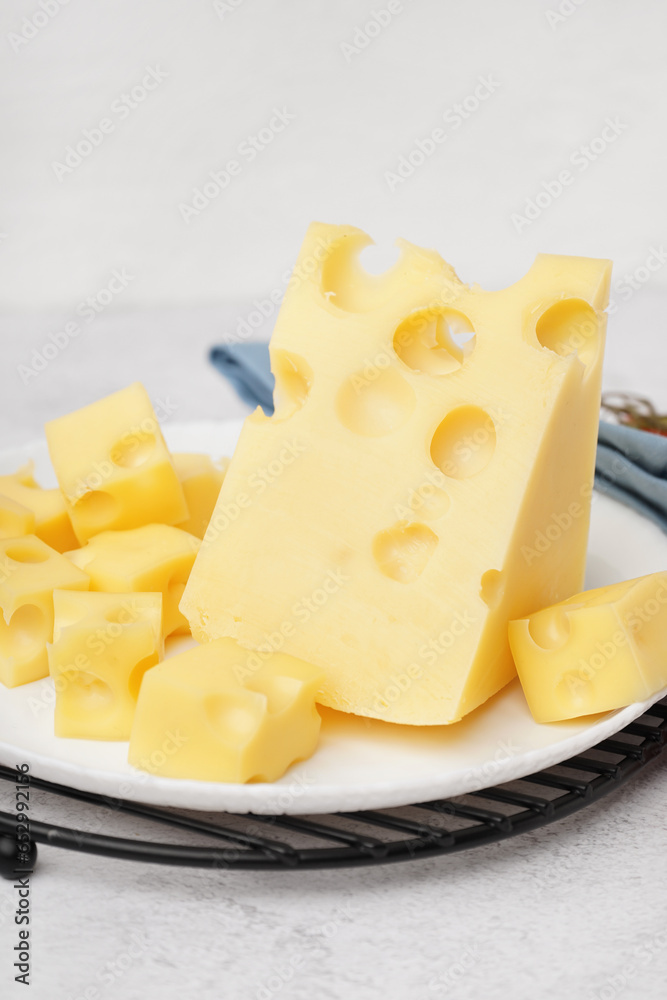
[575, 909]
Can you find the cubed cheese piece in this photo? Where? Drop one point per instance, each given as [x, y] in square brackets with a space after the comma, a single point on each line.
[220, 713]
[103, 644]
[113, 466]
[29, 573]
[15, 519]
[596, 651]
[384, 519]
[201, 479]
[155, 558]
[52, 521]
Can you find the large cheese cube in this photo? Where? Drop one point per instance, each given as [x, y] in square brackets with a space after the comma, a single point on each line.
[15, 519]
[113, 466]
[596, 651]
[219, 713]
[154, 558]
[201, 479]
[385, 519]
[103, 644]
[29, 573]
[52, 521]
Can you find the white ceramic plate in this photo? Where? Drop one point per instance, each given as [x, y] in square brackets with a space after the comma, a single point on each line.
[360, 763]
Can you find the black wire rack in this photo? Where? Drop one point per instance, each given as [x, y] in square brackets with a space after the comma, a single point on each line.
[367, 837]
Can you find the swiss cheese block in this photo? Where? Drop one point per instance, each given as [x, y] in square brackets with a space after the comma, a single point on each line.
[103, 644]
[30, 571]
[52, 521]
[201, 479]
[599, 650]
[15, 519]
[113, 466]
[382, 524]
[220, 713]
[153, 558]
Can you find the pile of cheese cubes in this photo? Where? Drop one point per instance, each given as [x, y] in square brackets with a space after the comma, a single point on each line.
[91, 576]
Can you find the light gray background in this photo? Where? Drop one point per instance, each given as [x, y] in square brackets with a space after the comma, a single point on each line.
[557, 83]
[560, 912]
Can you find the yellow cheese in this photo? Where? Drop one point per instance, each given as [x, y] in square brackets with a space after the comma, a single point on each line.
[383, 523]
[153, 558]
[52, 522]
[596, 651]
[15, 519]
[113, 466]
[103, 644]
[29, 573]
[201, 479]
[218, 713]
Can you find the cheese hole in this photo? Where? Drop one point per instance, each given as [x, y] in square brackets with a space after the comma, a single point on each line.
[294, 377]
[95, 509]
[402, 552]
[570, 327]
[492, 587]
[87, 693]
[280, 692]
[376, 259]
[375, 401]
[549, 629]
[24, 552]
[464, 443]
[234, 721]
[133, 450]
[27, 633]
[137, 674]
[434, 341]
[348, 285]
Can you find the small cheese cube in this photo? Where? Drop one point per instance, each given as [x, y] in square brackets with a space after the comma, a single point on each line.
[52, 522]
[219, 712]
[15, 519]
[153, 558]
[201, 479]
[103, 644]
[29, 573]
[597, 651]
[113, 465]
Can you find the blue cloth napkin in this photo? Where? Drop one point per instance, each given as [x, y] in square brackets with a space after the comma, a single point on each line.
[631, 465]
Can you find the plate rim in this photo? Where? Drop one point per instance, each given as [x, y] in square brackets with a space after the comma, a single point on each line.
[294, 796]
